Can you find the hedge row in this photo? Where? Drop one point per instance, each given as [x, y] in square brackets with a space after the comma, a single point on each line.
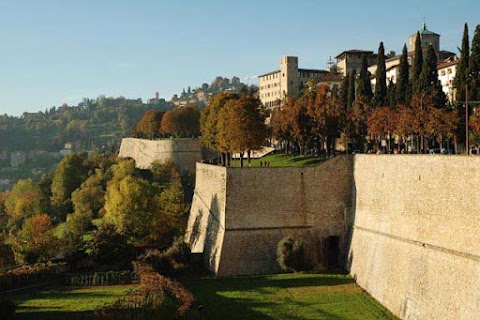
[102, 278]
[30, 274]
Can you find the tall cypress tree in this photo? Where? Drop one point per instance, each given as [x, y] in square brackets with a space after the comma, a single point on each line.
[402, 87]
[344, 92]
[462, 70]
[428, 83]
[474, 67]
[351, 89]
[364, 89]
[391, 95]
[417, 63]
[380, 78]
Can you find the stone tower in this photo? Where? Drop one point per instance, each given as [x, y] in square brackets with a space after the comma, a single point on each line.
[289, 76]
[427, 38]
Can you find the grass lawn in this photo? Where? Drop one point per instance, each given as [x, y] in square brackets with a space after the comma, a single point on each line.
[66, 302]
[284, 160]
[285, 296]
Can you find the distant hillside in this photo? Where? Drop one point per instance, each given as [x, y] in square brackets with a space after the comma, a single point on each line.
[200, 95]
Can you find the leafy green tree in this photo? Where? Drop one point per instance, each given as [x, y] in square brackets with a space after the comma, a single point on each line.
[428, 82]
[364, 89]
[381, 78]
[89, 198]
[172, 221]
[25, 200]
[474, 67]
[111, 248]
[402, 88]
[417, 63]
[69, 175]
[391, 97]
[209, 120]
[461, 76]
[131, 205]
[7, 257]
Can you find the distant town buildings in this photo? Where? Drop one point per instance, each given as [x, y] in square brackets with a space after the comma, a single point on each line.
[274, 86]
[200, 96]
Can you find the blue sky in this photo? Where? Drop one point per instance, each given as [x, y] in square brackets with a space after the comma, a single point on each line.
[55, 52]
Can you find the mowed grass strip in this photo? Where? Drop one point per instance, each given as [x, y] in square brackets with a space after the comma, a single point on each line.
[285, 296]
[283, 160]
[66, 302]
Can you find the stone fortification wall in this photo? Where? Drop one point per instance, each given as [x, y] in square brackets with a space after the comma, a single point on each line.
[259, 206]
[206, 222]
[415, 242]
[186, 153]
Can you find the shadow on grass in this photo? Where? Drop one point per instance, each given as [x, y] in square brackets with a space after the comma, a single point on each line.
[53, 315]
[244, 297]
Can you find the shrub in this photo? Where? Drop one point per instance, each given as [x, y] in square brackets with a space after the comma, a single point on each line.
[7, 309]
[171, 261]
[157, 298]
[290, 254]
[30, 274]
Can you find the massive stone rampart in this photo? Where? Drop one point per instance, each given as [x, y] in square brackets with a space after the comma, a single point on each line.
[409, 225]
[256, 207]
[415, 243]
[185, 152]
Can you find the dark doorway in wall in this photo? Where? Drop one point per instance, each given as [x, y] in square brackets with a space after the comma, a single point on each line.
[332, 250]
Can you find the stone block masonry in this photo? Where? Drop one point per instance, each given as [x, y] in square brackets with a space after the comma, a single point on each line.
[239, 215]
[408, 225]
[415, 243]
[185, 152]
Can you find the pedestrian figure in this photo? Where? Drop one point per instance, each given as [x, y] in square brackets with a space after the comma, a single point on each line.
[261, 163]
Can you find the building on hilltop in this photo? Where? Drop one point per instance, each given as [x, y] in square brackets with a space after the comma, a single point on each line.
[350, 60]
[446, 65]
[447, 70]
[285, 82]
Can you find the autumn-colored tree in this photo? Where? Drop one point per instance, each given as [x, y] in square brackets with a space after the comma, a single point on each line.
[403, 126]
[149, 124]
[420, 104]
[242, 126]
[280, 127]
[209, 120]
[327, 114]
[181, 122]
[300, 122]
[35, 241]
[381, 123]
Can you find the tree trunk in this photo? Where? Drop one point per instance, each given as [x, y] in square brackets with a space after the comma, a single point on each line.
[249, 156]
[241, 159]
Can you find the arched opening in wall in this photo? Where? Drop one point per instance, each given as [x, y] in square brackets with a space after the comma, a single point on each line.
[332, 250]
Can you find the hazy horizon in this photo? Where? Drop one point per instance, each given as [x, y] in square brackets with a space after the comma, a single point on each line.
[57, 52]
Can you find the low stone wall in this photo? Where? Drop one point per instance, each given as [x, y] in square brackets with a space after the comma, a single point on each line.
[186, 153]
